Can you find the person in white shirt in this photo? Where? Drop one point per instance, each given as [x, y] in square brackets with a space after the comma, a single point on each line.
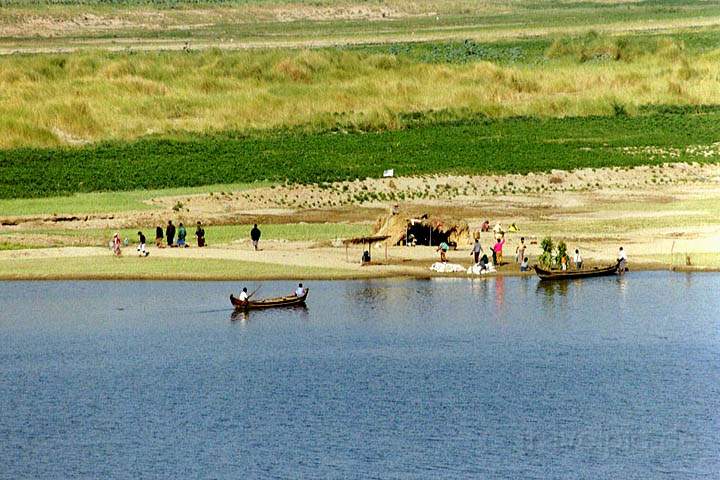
[299, 291]
[577, 259]
[622, 261]
[243, 297]
[525, 265]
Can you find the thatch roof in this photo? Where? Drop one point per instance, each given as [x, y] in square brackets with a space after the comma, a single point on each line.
[363, 240]
[395, 227]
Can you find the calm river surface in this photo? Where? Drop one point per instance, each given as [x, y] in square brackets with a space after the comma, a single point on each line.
[499, 378]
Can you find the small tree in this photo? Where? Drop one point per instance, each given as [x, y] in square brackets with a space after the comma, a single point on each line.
[545, 257]
[561, 252]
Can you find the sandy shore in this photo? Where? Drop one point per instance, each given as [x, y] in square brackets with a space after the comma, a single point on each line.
[667, 225]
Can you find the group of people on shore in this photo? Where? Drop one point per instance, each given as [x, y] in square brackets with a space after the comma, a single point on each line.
[173, 237]
[482, 260]
[163, 239]
[168, 237]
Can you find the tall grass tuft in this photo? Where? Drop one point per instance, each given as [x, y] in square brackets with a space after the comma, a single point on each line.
[96, 96]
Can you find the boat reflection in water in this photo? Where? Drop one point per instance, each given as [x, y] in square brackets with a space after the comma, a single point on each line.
[241, 315]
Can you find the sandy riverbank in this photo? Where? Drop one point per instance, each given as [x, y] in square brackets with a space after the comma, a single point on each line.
[667, 225]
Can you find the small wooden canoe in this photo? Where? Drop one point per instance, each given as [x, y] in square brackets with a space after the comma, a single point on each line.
[570, 274]
[288, 301]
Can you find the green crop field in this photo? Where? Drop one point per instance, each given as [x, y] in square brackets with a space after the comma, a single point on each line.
[479, 146]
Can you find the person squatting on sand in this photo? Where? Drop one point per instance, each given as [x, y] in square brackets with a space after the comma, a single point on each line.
[525, 265]
[182, 233]
[159, 237]
[443, 249]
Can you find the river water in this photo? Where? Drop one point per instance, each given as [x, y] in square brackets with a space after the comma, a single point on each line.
[448, 378]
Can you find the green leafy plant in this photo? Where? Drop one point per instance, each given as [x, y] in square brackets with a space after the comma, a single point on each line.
[546, 258]
[560, 252]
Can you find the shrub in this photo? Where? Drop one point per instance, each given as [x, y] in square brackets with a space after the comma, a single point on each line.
[546, 258]
[560, 252]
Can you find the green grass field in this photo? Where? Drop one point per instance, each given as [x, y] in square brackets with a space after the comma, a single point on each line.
[473, 146]
[215, 235]
[106, 202]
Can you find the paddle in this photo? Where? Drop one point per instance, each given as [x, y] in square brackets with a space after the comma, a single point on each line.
[254, 292]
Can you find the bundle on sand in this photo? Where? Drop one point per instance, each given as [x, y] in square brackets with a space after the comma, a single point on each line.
[444, 267]
[478, 270]
[426, 229]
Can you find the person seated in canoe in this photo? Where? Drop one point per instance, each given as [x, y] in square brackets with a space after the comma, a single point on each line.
[244, 297]
[300, 290]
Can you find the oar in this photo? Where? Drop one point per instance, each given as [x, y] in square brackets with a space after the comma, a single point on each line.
[253, 293]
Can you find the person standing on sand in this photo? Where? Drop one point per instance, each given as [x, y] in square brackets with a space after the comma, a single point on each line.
[200, 234]
[476, 250]
[255, 236]
[621, 261]
[170, 234]
[577, 259]
[142, 251]
[498, 250]
[520, 251]
[159, 236]
[182, 233]
[116, 244]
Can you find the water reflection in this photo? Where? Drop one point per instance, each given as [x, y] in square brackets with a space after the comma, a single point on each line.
[240, 315]
[529, 391]
[622, 286]
[499, 291]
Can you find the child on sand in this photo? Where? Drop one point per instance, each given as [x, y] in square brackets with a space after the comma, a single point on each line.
[116, 244]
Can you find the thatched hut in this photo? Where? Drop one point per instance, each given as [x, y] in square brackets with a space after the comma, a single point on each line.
[423, 229]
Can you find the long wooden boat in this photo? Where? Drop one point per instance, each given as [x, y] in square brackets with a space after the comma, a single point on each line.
[288, 301]
[570, 274]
